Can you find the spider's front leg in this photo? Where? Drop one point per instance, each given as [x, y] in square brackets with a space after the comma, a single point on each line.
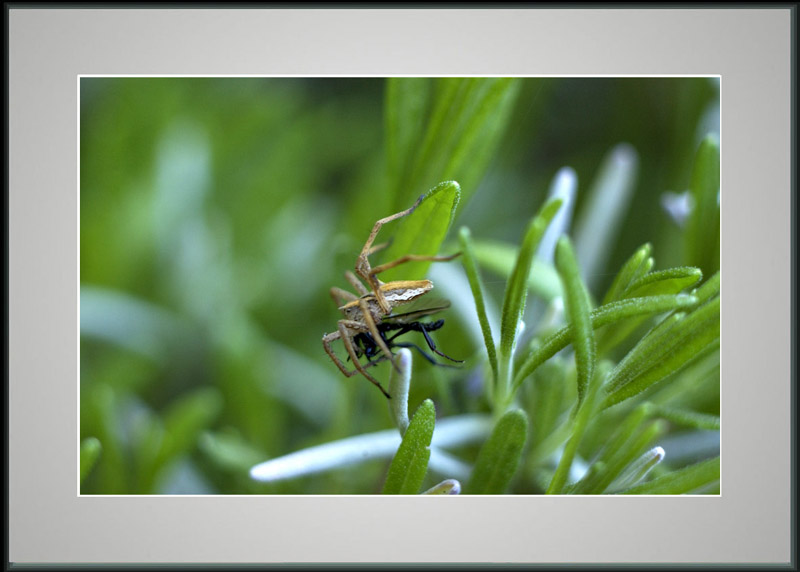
[347, 329]
[363, 268]
[327, 339]
[342, 297]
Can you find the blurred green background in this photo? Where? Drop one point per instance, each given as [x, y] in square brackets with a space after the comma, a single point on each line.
[215, 214]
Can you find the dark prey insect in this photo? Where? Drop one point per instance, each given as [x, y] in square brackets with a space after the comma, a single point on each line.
[367, 346]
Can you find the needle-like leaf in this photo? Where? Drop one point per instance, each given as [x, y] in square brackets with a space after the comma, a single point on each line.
[410, 463]
[681, 481]
[499, 457]
[477, 293]
[601, 316]
[578, 308]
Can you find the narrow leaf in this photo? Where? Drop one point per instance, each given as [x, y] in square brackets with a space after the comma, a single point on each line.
[499, 457]
[499, 257]
[581, 422]
[577, 309]
[563, 187]
[624, 434]
[516, 289]
[667, 350]
[639, 469]
[622, 459]
[602, 316]
[637, 266]
[606, 203]
[702, 232]
[548, 395]
[450, 432]
[708, 289]
[477, 293]
[687, 418]
[410, 463]
[407, 101]
[669, 281]
[681, 481]
[446, 128]
[486, 117]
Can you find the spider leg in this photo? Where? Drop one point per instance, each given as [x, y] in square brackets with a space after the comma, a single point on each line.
[341, 297]
[378, 247]
[377, 227]
[346, 336]
[363, 268]
[355, 283]
[410, 258]
[326, 343]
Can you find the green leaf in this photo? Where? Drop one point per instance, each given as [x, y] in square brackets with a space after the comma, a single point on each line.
[407, 101]
[499, 457]
[576, 302]
[90, 451]
[606, 202]
[500, 257]
[422, 232]
[477, 293]
[514, 299]
[681, 481]
[484, 118]
[614, 465]
[669, 281]
[602, 316]
[410, 463]
[708, 289]
[697, 386]
[637, 266]
[445, 128]
[619, 439]
[583, 416]
[638, 469]
[664, 350]
[702, 229]
[547, 399]
[687, 418]
[516, 289]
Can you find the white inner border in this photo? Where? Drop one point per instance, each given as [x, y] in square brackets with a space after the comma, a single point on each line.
[50, 48]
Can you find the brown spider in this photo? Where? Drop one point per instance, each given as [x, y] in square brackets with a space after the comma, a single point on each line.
[364, 312]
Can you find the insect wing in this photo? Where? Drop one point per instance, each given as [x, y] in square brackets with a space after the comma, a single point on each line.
[418, 309]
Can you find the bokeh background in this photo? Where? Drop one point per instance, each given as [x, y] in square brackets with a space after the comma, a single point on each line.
[216, 213]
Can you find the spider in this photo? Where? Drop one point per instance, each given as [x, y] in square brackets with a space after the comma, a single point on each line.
[363, 314]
